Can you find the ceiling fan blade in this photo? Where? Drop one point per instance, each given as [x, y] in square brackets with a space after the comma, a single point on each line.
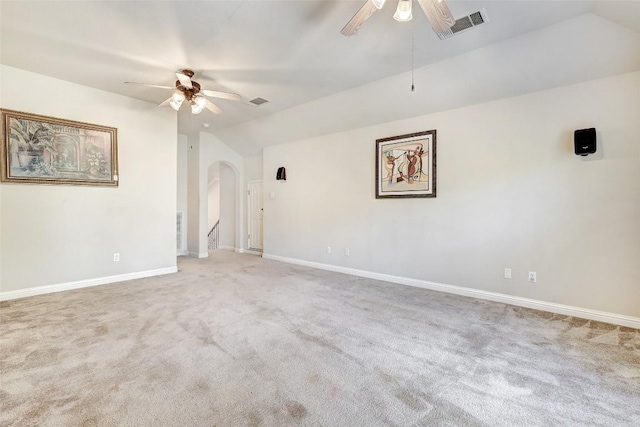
[358, 19]
[438, 14]
[184, 80]
[148, 85]
[165, 103]
[223, 95]
[213, 107]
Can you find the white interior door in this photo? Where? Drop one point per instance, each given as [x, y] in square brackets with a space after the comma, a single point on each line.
[255, 215]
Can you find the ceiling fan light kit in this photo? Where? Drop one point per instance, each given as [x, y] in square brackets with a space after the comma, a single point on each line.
[437, 12]
[403, 12]
[188, 90]
[198, 103]
[176, 100]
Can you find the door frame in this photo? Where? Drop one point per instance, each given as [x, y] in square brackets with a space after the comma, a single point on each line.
[249, 183]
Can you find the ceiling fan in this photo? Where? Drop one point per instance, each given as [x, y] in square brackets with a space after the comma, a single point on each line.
[190, 91]
[437, 12]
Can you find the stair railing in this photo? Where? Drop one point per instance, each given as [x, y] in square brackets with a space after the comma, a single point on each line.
[214, 236]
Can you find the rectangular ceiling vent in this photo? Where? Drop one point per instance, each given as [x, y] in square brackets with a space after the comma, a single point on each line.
[258, 101]
[465, 23]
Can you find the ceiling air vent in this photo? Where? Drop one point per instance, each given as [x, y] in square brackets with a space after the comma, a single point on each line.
[258, 101]
[465, 23]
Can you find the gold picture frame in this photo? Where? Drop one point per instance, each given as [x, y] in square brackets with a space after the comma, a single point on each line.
[46, 150]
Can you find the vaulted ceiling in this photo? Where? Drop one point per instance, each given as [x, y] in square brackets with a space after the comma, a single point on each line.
[288, 52]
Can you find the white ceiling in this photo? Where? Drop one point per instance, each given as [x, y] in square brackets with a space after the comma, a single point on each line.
[289, 52]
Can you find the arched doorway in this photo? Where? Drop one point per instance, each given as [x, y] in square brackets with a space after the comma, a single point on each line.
[222, 182]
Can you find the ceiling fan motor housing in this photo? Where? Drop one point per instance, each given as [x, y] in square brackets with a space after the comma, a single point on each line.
[188, 93]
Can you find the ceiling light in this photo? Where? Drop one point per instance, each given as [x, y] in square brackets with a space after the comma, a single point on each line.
[200, 101]
[403, 12]
[378, 3]
[175, 105]
[197, 104]
[176, 100]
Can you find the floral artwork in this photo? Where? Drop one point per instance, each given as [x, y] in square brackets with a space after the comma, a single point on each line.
[45, 150]
[406, 166]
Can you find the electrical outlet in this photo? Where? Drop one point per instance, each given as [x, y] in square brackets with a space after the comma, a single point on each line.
[507, 273]
[532, 277]
[116, 257]
[328, 249]
[347, 252]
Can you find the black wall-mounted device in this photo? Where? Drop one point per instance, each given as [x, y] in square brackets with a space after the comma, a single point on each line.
[282, 174]
[584, 141]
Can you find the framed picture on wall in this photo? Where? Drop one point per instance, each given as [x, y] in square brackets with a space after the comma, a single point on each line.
[45, 150]
[406, 165]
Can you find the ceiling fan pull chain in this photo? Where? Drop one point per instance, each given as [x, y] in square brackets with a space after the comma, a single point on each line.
[413, 88]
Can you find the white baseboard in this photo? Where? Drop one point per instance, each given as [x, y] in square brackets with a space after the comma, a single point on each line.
[39, 290]
[227, 248]
[583, 313]
[199, 254]
[250, 252]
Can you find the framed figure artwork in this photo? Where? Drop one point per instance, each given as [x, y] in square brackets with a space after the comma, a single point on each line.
[406, 166]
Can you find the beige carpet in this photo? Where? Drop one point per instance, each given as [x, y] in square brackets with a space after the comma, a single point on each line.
[236, 340]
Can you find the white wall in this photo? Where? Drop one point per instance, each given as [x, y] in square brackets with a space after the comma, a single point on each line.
[182, 173]
[196, 199]
[213, 195]
[511, 193]
[54, 234]
[213, 214]
[228, 218]
[181, 189]
[253, 168]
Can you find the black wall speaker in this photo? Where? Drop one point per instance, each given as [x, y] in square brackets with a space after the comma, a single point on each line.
[281, 175]
[584, 141]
